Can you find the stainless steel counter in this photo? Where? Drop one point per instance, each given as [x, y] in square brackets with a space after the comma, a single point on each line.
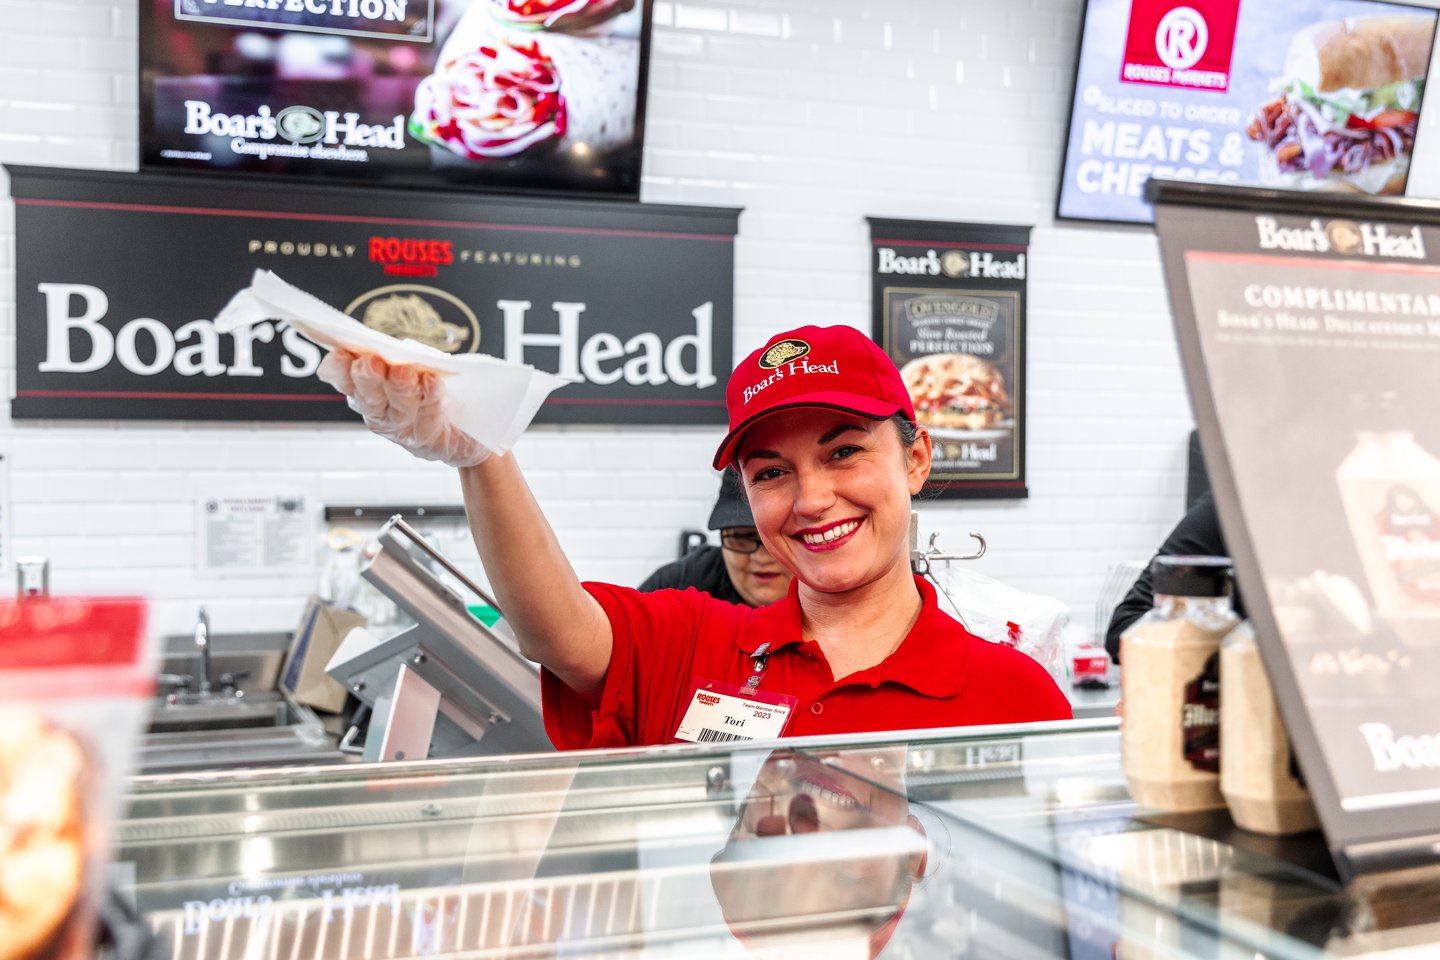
[1096, 703]
[985, 842]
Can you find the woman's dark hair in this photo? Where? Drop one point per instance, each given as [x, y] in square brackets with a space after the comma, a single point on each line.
[909, 433]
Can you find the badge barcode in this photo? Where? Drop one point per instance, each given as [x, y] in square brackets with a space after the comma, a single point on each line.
[719, 736]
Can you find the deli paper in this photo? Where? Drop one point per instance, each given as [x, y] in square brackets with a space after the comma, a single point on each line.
[490, 399]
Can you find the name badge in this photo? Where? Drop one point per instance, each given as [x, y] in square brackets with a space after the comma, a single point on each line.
[721, 713]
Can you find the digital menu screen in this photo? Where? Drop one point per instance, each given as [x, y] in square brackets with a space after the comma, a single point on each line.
[511, 95]
[1316, 95]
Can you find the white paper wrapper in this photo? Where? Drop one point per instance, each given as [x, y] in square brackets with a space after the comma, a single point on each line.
[490, 399]
[598, 76]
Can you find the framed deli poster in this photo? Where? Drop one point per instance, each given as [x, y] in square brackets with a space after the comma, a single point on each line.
[1309, 330]
[949, 309]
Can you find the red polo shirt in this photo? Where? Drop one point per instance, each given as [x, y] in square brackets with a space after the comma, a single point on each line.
[669, 641]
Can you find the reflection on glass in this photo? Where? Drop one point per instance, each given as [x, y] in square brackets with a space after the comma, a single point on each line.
[1005, 848]
[783, 865]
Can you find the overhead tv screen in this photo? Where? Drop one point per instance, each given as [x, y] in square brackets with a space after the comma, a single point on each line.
[512, 95]
[1295, 94]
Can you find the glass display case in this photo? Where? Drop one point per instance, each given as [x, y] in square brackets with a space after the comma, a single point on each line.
[998, 842]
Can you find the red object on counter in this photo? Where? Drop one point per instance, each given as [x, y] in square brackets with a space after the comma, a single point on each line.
[1089, 663]
[47, 633]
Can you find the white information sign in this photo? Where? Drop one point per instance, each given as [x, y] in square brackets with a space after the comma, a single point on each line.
[257, 534]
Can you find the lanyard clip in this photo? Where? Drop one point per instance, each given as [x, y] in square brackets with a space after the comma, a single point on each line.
[761, 655]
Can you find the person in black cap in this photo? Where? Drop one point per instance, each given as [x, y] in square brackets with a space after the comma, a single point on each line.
[1197, 534]
[740, 570]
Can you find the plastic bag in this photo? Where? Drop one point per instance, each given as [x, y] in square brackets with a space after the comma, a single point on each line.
[1032, 623]
[342, 585]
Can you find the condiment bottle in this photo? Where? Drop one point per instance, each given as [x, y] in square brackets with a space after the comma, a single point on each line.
[1259, 779]
[1170, 686]
[1390, 486]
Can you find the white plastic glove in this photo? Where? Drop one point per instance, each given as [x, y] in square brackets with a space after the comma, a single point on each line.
[401, 404]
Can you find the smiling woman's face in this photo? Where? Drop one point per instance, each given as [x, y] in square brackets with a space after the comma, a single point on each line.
[831, 492]
[854, 789]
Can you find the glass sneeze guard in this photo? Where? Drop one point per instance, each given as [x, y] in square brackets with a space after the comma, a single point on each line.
[1009, 842]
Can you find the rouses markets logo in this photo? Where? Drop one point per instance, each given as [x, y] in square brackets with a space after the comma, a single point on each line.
[1181, 38]
[411, 256]
[1186, 45]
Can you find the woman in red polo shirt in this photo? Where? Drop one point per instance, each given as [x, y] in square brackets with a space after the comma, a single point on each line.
[822, 432]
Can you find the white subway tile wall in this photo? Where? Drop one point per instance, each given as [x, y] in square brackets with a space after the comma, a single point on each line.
[810, 116]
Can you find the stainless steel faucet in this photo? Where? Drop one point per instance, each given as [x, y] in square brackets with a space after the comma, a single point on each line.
[202, 640]
[32, 575]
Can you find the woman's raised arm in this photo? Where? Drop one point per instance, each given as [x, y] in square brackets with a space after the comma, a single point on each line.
[556, 622]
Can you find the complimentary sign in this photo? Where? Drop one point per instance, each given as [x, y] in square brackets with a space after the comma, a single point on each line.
[949, 309]
[118, 275]
[1310, 333]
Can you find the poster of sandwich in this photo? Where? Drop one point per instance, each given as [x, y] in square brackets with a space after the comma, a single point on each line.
[949, 309]
[510, 95]
[1317, 96]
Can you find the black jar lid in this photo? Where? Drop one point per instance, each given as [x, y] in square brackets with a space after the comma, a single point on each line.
[1191, 576]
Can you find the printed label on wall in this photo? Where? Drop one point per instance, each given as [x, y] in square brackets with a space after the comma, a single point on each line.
[255, 534]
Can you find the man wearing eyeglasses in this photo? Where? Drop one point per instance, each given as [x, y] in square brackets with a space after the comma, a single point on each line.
[740, 570]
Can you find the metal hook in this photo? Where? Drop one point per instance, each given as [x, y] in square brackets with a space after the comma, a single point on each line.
[934, 552]
[921, 561]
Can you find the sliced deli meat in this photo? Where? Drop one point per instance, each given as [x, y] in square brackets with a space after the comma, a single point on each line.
[496, 100]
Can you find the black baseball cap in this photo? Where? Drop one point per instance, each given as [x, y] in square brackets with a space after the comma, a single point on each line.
[731, 509]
